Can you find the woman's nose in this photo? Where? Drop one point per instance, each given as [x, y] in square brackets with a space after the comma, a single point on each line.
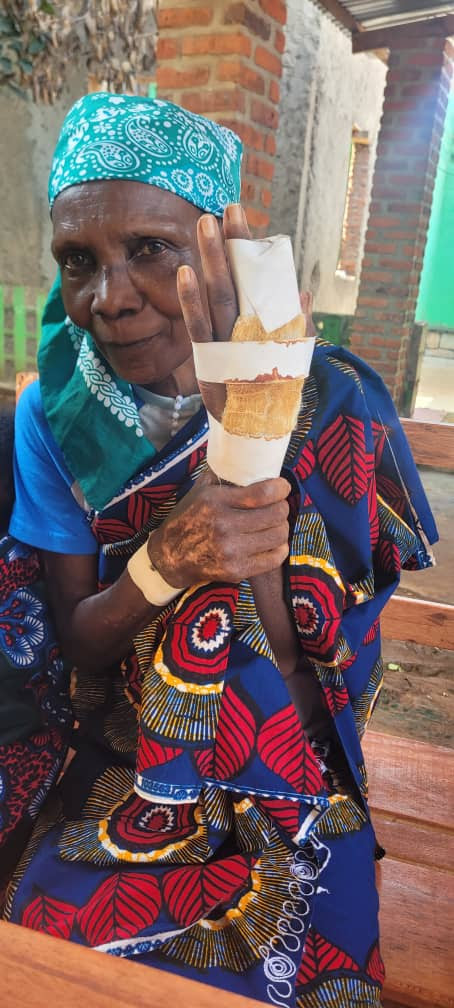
[114, 293]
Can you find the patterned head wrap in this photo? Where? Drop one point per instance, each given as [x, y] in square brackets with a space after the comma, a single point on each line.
[107, 136]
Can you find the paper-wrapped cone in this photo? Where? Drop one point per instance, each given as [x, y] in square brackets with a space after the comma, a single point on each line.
[265, 280]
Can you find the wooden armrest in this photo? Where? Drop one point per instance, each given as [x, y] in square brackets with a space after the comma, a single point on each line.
[39, 972]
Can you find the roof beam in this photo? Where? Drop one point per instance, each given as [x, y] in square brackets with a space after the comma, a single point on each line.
[340, 13]
[388, 38]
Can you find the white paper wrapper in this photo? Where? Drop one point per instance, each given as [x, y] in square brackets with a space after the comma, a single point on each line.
[244, 460]
[265, 281]
[223, 362]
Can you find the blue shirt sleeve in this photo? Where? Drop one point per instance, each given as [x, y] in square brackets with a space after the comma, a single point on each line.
[46, 514]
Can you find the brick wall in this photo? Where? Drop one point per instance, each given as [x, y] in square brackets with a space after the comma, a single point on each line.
[355, 204]
[224, 60]
[417, 88]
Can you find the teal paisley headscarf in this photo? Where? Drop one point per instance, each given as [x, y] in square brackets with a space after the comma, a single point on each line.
[104, 136]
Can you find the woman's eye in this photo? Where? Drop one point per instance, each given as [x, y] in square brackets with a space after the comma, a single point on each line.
[74, 261]
[150, 247]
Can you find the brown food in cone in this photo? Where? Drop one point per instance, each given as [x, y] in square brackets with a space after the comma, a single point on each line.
[269, 407]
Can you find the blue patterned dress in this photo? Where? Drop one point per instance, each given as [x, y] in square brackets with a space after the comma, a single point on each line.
[175, 811]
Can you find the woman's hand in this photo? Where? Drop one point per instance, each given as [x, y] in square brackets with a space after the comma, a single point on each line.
[210, 314]
[223, 533]
[220, 292]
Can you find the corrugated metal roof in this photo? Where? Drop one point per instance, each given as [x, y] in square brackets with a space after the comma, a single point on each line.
[370, 14]
[386, 13]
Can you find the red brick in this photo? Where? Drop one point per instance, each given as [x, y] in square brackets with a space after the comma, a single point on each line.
[259, 167]
[270, 144]
[384, 221]
[264, 114]
[425, 59]
[274, 92]
[396, 76]
[240, 13]
[427, 90]
[257, 218]
[368, 301]
[168, 77]
[279, 40]
[277, 9]
[167, 48]
[237, 71]
[247, 191]
[223, 43]
[376, 275]
[380, 341]
[217, 100]
[403, 208]
[184, 17]
[266, 197]
[250, 136]
[268, 61]
[401, 265]
[389, 247]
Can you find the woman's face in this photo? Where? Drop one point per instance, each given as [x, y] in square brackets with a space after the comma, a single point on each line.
[119, 245]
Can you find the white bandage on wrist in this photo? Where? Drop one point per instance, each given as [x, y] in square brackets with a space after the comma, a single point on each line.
[154, 588]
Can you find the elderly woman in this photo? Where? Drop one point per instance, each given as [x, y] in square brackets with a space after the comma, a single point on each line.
[196, 798]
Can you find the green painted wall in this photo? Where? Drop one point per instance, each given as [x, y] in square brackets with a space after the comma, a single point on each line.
[436, 290]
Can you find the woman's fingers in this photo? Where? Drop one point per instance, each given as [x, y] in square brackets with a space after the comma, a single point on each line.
[196, 322]
[235, 223]
[220, 290]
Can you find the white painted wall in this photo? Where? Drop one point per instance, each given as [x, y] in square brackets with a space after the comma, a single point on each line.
[29, 133]
[348, 91]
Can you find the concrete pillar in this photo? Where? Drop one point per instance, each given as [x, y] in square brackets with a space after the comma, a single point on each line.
[224, 60]
[417, 90]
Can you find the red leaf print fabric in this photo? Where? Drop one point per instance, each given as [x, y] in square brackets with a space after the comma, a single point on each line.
[379, 433]
[375, 967]
[285, 813]
[109, 530]
[52, 916]
[342, 457]
[336, 699]
[392, 494]
[235, 736]
[139, 509]
[320, 956]
[306, 462]
[121, 907]
[190, 893]
[151, 753]
[283, 748]
[389, 557]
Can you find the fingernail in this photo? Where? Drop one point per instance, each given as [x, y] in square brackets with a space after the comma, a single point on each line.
[208, 225]
[235, 213]
[184, 275]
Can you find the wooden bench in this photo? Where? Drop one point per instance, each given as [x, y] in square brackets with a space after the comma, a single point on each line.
[412, 801]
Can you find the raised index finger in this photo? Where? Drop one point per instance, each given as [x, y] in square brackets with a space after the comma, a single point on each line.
[195, 319]
[219, 285]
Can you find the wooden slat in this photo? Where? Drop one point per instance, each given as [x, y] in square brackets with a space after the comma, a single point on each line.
[416, 933]
[389, 38]
[412, 800]
[411, 841]
[411, 779]
[432, 444]
[416, 620]
[37, 971]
